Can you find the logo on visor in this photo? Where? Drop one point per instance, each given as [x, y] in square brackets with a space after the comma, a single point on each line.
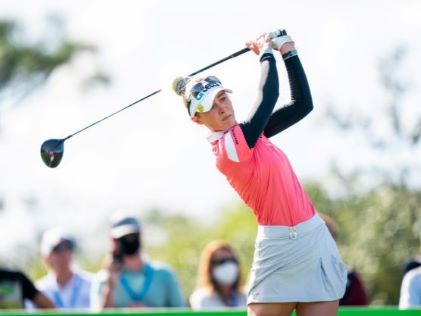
[210, 85]
[199, 89]
[199, 95]
[200, 108]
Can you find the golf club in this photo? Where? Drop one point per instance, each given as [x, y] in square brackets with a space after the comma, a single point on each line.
[52, 149]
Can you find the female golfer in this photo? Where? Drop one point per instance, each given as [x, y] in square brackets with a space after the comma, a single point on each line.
[296, 263]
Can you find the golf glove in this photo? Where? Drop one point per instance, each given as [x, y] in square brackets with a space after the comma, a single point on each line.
[279, 38]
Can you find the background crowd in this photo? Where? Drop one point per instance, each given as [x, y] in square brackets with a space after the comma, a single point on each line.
[130, 278]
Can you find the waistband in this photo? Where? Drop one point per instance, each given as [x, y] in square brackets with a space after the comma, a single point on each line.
[292, 232]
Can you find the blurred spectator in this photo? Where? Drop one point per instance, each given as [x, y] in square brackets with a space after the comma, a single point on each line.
[66, 286]
[219, 277]
[129, 280]
[15, 288]
[411, 289]
[355, 293]
[412, 263]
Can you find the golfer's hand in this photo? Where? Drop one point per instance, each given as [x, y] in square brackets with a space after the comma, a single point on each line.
[281, 41]
[259, 44]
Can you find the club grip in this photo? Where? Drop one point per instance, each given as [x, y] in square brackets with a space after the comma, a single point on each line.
[277, 33]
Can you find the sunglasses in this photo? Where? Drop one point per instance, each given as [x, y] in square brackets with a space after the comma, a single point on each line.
[217, 262]
[199, 89]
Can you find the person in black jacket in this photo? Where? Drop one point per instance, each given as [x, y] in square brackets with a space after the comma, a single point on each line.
[16, 287]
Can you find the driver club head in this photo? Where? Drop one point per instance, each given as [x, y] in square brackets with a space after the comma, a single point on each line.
[52, 152]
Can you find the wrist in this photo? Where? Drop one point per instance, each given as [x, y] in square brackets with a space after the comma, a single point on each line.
[291, 53]
[286, 48]
[265, 50]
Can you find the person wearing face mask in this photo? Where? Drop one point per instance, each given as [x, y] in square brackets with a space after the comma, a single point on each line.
[130, 280]
[219, 277]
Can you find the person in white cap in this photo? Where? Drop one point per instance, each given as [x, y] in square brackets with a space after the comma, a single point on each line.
[129, 280]
[67, 286]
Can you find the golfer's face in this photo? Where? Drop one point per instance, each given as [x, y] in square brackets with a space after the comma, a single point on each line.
[221, 117]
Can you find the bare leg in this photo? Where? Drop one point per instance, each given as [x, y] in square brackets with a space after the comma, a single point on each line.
[270, 309]
[318, 308]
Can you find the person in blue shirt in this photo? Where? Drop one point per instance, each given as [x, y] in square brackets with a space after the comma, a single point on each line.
[65, 284]
[130, 280]
[410, 294]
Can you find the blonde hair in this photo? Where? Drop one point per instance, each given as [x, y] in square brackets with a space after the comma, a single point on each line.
[204, 278]
[183, 85]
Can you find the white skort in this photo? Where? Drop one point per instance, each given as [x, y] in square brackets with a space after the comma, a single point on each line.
[296, 264]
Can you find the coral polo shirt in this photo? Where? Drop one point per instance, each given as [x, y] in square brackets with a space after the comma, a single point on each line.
[263, 177]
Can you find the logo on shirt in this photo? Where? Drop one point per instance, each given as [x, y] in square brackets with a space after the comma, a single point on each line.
[234, 136]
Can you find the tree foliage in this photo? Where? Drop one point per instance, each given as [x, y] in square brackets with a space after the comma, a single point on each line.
[378, 231]
[26, 64]
[381, 227]
[184, 239]
[393, 128]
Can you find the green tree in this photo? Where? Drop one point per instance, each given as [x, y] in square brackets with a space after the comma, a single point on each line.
[179, 240]
[378, 230]
[380, 225]
[393, 130]
[26, 64]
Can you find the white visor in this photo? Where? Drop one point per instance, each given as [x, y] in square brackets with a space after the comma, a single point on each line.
[203, 93]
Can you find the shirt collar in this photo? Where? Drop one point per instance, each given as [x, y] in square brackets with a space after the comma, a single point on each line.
[214, 136]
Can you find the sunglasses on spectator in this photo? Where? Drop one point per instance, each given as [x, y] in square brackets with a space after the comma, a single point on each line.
[63, 246]
[220, 261]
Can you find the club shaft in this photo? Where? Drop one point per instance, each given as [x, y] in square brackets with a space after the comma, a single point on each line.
[238, 53]
[112, 114]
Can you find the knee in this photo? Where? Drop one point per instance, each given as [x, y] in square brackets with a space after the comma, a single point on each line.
[270, 309]
[256, 310]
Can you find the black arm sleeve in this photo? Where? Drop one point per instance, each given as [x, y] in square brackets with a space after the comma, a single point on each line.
[300, 105]
[268, 95]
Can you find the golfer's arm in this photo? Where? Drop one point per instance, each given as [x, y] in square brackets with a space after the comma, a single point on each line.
[267, 96]
[301, 102]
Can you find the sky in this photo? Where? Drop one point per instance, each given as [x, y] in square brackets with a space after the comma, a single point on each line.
[151, 155]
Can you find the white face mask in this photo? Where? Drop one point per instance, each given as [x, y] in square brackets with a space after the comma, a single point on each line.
[226, 273]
